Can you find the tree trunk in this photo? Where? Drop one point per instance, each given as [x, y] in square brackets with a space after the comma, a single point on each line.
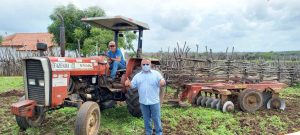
[78, 43]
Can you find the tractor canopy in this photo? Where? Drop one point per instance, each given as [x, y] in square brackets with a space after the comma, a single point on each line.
[116, 23]
[120, 23]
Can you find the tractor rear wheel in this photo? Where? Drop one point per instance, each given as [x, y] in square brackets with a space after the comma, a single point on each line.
[132, 98]
[88, 119]
[133, 104]
[35, 121]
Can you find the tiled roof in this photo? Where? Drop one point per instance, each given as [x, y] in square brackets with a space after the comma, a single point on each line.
[28, 41]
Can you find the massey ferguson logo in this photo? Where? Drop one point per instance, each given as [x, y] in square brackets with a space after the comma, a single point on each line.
[68, 66]
[61, 66]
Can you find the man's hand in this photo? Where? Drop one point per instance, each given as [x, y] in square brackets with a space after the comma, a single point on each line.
[162, 82]
[127, 82]
[110, 60]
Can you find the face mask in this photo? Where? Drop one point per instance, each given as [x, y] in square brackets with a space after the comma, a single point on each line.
[146, 68]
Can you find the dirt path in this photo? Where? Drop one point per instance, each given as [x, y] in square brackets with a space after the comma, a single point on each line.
[17, 93]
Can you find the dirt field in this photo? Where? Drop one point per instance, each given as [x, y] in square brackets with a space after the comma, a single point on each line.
[192, 120]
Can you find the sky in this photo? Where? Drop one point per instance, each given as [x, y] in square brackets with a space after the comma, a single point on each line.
[247, 25]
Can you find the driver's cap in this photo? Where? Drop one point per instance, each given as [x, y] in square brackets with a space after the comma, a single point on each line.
[112, 43]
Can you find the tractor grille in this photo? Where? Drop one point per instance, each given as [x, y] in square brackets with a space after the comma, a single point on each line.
[34, 70]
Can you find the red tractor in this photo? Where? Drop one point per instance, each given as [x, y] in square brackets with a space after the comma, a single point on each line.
[55, 82]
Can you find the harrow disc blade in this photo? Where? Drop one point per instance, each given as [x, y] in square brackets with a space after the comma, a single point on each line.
[198, 102]
[218, 105]
[213, 104]
[276, 103]
[267, 95]
[208, 101]
[228, 107]
[203, 101]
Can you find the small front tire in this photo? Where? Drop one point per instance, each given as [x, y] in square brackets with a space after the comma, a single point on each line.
[88, 119]
[35, 121]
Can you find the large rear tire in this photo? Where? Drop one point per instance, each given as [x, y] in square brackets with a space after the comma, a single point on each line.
[88, 119]
[133, 104]
[132, 98]
[35, 121]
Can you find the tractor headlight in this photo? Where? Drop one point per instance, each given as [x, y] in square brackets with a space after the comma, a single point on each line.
[41, 82]
[105, 60]
[31, 81]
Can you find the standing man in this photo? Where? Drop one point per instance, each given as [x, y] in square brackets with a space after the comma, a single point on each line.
[116, 60]
[148, 83]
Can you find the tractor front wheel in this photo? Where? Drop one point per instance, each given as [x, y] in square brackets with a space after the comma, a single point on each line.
[34, 121]
[88, 119]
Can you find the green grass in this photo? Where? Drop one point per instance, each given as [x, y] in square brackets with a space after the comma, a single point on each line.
[9, 83]
[117, 121]
[291, 91]
[199, 120]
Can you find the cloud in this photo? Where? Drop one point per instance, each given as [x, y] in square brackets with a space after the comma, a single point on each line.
[257, 25]
[174, 20]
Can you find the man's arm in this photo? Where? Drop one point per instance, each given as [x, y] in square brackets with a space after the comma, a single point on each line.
[162, 82]
[118, 56]
[132, 84]
[161, 79]
[118, 59]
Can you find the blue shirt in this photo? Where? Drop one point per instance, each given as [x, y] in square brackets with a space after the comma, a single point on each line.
[118, 53]
[148, 86]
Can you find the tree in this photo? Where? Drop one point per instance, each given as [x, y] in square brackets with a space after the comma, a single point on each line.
[129, 38]
[79, 34]
[1, 39]
[97, 42]
[72, 17]
[83, 36]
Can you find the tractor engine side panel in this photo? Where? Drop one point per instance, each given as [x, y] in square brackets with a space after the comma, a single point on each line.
[60, 81]
[63, 68]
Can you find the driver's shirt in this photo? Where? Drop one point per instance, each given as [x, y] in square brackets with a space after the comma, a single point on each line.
[118, 53]
[148, 86]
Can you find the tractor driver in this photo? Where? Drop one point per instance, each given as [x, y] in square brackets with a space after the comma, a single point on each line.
[116, 60]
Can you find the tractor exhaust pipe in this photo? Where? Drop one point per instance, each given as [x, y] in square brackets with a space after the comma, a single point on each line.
[62, 36]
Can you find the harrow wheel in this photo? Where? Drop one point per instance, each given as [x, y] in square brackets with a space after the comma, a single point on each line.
[228, 107]
[250, 100]
[276, 103]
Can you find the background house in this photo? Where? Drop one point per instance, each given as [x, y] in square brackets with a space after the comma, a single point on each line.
[27, 41]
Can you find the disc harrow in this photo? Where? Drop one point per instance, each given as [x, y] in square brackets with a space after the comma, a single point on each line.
[229, 97]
